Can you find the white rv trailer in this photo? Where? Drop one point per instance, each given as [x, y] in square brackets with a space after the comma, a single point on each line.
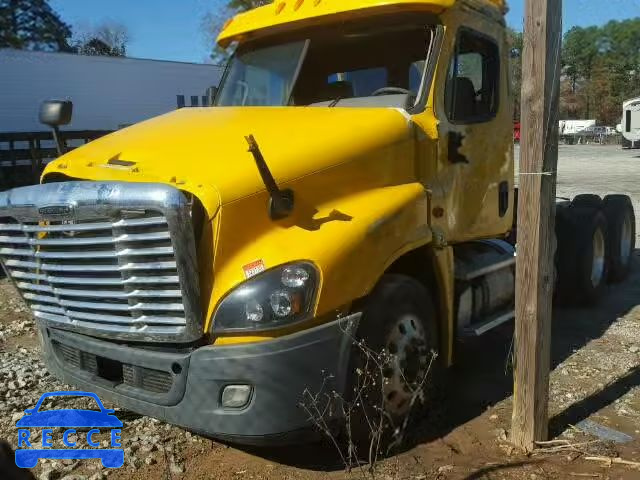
[572, 127]
[630, 125]
[107, 92]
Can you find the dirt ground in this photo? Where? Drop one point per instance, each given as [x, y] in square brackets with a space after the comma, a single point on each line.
[596, 376]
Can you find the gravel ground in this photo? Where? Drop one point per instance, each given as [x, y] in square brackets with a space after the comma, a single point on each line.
[596, 375]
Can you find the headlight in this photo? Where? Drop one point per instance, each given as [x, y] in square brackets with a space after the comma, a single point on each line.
[273, 299]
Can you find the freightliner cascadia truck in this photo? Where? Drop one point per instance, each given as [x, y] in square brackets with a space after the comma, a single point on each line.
[352, 179]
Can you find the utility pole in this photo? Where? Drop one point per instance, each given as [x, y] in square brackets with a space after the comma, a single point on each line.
[536, 211]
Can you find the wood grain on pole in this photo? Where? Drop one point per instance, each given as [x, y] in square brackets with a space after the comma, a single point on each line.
[536, 210]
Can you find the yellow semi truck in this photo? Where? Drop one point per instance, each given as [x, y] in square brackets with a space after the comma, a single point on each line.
[353, 179]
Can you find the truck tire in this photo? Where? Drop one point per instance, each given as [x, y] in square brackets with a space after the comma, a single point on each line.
[622, 235]
[582, 247]
[563, 270]
[587, 200]
[394, 372]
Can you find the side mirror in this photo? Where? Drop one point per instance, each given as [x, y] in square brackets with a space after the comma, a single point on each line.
[212, 93]
[56, 112]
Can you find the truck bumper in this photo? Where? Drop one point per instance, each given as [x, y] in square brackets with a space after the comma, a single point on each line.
[185, 388]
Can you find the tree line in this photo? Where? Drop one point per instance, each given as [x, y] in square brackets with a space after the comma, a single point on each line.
[34, 25]
[600, 69]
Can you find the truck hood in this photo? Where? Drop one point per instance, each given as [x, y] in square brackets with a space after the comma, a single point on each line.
[204, 151]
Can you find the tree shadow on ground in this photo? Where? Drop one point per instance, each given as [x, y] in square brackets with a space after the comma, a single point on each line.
[482, 377]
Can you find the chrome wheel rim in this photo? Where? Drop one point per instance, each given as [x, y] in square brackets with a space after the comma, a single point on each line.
[597, 266]
[406, 365]
[626, 240]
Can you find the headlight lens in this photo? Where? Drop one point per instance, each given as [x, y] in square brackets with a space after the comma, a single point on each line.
[270, 300]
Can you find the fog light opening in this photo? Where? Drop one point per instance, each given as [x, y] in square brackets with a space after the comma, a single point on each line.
[236, 396]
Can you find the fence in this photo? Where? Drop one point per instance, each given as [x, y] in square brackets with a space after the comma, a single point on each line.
[23, 155]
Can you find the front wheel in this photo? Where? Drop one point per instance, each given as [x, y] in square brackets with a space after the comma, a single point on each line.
[395, 371]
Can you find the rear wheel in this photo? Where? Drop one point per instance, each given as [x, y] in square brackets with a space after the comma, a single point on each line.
[394, 372]
[582, 256]
[587, 200]
[622, 235]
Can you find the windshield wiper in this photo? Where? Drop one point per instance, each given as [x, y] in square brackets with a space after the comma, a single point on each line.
[334, 102]
[280, 201]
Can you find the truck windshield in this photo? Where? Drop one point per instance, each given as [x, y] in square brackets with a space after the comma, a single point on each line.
[355, 68]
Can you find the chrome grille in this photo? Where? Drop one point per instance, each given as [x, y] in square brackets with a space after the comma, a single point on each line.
[123, 270]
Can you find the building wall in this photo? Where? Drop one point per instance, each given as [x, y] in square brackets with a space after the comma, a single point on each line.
[107, 92]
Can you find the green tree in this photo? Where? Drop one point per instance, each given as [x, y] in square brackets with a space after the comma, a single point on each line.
[601, 67]
[107, 39]
[514, 40]
[622, 56]
[244, 5]
[212, 23]
[580, 50]
[95, 46]
[32, 25]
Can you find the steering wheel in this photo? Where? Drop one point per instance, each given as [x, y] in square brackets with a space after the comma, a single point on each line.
[390, 91]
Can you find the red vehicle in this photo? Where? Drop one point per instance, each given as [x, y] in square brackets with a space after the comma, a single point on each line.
[516, 131]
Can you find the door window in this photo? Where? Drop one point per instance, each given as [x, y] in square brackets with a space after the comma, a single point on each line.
[471, 93]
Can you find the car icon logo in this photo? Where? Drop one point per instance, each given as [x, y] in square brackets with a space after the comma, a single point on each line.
[69, 419]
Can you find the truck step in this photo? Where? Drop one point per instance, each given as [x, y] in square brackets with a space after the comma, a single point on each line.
[475, 330]
[486, 269]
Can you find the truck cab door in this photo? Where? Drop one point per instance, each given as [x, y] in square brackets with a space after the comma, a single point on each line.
[474, 193]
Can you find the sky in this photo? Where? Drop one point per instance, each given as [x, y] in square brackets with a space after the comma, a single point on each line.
[172, 29]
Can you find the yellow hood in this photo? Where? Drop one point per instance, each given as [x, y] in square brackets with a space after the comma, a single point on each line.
[203, 150]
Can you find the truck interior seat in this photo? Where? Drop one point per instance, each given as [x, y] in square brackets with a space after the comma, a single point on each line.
[465, 100]
[339, 89]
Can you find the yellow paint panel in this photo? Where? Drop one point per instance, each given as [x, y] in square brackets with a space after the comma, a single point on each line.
[204, 151]
[286, 14]
[281, 14]
[350, 242]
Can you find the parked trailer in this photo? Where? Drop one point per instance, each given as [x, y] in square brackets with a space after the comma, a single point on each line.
[571, 127]
[570, 130]
[23, 155]
[630, 125]
[107, 92]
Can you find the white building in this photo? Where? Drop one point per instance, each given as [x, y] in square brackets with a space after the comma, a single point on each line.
[107, 92]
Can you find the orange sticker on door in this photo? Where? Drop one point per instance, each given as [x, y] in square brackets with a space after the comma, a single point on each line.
[253, 268]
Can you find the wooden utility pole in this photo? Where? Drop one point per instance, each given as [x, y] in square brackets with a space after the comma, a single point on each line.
[536, 210]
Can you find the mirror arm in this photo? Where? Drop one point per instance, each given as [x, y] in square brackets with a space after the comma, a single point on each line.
[60, 146]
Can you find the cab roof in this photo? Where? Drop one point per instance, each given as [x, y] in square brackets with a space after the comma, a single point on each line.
[284, 14]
